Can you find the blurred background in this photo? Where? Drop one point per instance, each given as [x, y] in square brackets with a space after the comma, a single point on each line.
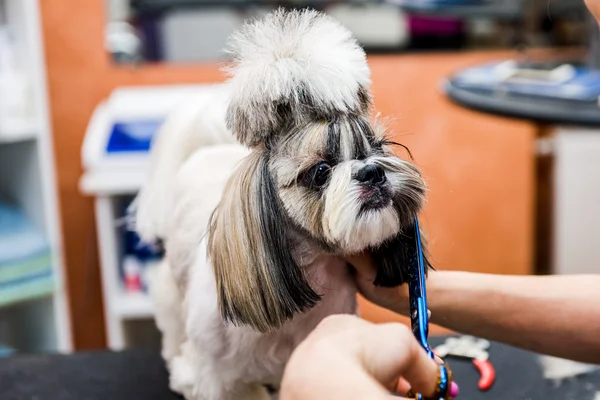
[197, 30]
[496, 99]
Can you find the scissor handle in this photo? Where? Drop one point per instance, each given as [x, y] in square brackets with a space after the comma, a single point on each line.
[419, 319]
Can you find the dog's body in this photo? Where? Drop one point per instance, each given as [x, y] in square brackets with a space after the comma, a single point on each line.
[255, 236]
[230, 362]
[209, 358]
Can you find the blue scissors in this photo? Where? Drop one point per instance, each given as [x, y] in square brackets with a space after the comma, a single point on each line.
[419, 317]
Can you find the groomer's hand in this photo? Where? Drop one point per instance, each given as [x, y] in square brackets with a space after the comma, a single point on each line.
[395, 299]
[594, 6]
[348, 358]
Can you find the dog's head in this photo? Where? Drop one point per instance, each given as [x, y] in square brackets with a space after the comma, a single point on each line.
[320, 167]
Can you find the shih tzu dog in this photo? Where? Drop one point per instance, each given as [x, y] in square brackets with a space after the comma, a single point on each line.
[255, 232]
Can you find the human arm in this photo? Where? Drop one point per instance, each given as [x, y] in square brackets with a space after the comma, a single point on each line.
[348, 358]
[554, 315]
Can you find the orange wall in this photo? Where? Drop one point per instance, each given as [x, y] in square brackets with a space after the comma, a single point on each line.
[80, 75]
[480, 168]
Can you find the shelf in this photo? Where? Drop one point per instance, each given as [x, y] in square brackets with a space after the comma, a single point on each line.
[28, 291]
[25, 277]
[153, 7]
[18, 131]
[124, 182]
[26, 262]
[28, 182]
[133, 306]
[494, 9]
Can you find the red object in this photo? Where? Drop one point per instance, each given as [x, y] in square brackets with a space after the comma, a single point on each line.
[487, 374]
[473, 349]
[133, 283]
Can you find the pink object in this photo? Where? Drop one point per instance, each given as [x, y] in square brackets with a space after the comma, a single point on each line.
[133, 283]
[435, 26]
[133, 279]
[454, 389]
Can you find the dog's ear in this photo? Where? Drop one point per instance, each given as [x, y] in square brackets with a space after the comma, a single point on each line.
[258, 282]
[395, 256]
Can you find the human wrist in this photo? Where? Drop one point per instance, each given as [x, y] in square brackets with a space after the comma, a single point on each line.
[400, 303]
[398, 299]
[435, 290]
[452, 294]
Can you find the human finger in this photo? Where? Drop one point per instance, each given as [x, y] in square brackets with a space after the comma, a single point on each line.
[392, 352]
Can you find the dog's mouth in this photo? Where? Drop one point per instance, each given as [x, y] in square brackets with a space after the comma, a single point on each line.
[375, 198]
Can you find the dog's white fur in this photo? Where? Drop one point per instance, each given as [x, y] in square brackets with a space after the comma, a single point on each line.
[209, 359]
[273, 57]
[192, 160]
[192, 197]
[199, 122]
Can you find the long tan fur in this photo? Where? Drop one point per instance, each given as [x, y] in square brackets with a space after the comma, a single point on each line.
[247, 251]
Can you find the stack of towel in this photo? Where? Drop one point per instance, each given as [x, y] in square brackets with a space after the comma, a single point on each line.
[25, 258]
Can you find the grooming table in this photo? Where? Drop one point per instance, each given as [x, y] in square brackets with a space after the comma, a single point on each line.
[140, 375]
[572, 101]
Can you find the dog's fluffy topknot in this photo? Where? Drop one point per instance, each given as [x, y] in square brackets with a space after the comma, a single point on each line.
[292, 66]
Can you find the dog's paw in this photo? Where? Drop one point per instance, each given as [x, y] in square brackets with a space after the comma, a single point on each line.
[182, 377]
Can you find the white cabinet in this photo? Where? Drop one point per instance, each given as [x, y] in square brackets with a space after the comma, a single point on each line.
[576, 201]
[113, 175]
[33, 313]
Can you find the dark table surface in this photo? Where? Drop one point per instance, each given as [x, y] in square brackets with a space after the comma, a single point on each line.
[537, 110]
[140, 375]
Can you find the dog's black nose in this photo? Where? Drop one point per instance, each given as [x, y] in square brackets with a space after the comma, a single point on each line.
[371, 173]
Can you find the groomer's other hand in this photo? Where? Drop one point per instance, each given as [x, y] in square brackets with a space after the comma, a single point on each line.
[348, 358]
[594, 6]
[395, 299]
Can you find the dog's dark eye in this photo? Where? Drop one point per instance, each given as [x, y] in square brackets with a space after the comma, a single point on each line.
[318, 175]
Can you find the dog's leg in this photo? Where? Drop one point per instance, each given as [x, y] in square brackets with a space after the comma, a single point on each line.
[167, 303]
[205, 385]
[198, 377]
[182, 377]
